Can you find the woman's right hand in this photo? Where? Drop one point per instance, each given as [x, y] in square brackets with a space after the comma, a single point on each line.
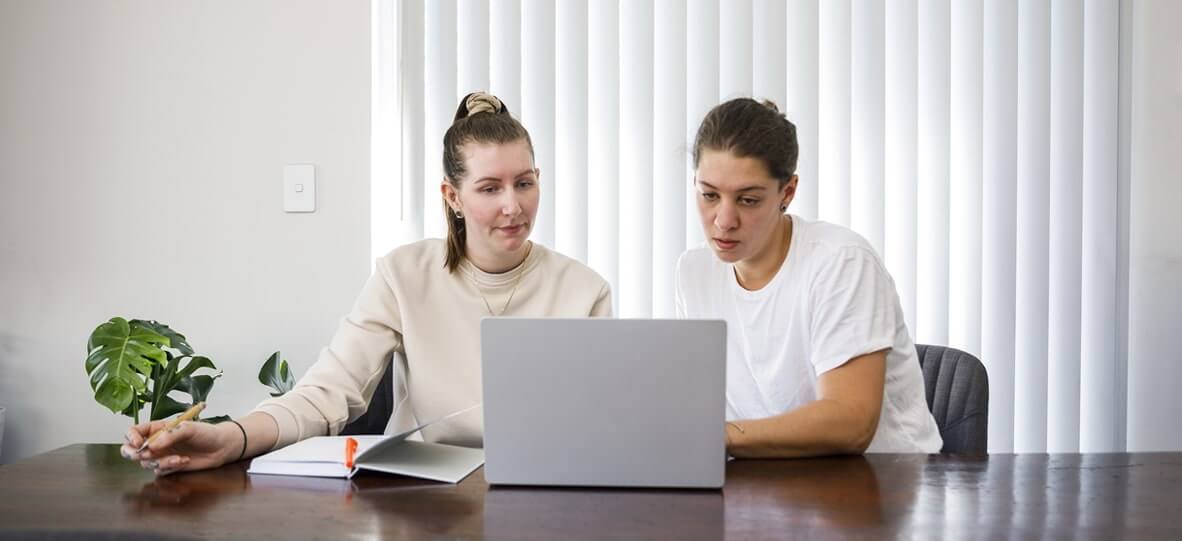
[192, 445]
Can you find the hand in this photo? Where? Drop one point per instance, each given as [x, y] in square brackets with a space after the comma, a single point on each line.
[189, 446]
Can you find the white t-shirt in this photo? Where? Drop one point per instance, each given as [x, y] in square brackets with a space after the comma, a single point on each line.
[831, 301]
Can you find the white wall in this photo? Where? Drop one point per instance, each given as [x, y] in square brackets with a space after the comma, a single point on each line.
[141, 153]
[1155, 223]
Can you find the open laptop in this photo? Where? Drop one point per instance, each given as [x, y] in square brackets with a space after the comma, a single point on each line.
[604, 402]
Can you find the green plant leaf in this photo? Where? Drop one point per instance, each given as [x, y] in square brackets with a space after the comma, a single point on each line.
[119, 358]
[176, 340]
[166, 407]
[197, 387]
[276, 375]
[177, 375]
[216, 420]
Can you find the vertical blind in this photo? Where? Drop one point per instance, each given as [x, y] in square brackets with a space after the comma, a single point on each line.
[973, 143]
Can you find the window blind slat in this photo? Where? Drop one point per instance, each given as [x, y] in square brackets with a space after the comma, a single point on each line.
[636, 159]
[669, 150]
[439, 101]
[998, 203]
[803, 100]
[834, 106]
[931, 318]
[1098, 370]
[569, 176]
[1032, 242]
[899, 173]
[867, 111]
[603, 116]
[1063, 369]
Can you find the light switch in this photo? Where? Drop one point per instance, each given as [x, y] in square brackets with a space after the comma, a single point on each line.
[299, 187]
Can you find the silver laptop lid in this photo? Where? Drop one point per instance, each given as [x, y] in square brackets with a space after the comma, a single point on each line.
[604, 402]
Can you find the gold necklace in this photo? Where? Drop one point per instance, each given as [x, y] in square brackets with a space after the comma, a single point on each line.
[516, 282]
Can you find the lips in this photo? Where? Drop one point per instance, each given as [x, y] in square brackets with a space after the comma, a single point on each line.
[513, 229]
[725, 244]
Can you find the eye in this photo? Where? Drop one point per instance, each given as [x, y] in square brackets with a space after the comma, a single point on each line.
[710, 196]
[748, 201]
[525, 183]
[489, 188]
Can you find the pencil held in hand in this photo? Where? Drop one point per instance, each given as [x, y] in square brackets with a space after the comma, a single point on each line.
[188, 415]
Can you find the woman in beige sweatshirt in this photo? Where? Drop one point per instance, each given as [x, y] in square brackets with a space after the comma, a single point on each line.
[424, 300]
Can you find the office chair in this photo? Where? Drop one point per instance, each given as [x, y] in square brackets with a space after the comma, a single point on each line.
[957, 390]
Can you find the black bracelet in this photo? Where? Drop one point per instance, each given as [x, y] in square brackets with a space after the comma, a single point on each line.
[243, 453]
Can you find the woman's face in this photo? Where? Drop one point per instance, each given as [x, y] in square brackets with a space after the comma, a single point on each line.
[498, 197]
[739, 204]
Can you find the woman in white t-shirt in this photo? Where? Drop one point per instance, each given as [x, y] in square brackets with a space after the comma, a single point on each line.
[819, 360]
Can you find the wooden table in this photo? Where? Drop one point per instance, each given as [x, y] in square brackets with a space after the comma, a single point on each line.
[83, 489]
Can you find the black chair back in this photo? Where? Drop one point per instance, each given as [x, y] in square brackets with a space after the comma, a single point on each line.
[957, 389]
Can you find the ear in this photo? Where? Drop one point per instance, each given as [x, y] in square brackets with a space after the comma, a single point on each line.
[450, 195]
[789, 194]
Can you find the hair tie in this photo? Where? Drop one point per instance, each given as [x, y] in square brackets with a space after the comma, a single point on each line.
[479, 102]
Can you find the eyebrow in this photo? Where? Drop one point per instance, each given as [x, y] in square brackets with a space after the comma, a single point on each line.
[747, 189]
[518, 175]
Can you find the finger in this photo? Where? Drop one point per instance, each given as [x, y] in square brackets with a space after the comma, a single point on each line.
[174, 462]
[171, 465]
[133, 437]
[129, 451]
[171, 437]
[138, 434]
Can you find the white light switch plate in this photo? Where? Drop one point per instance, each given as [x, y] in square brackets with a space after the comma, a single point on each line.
[299, 187]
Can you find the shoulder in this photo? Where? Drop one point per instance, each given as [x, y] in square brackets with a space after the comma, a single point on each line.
[824, 243]
[414, 258]
[570, 270]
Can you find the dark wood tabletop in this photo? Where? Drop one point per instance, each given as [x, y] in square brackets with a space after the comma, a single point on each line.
[89, 491]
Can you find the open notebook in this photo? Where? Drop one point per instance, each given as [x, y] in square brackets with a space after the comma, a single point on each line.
[325, 456]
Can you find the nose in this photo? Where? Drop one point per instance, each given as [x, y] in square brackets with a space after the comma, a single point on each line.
[511, 206]
[726, 218]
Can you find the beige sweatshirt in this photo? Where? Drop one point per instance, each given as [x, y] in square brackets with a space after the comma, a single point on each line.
[413, 305]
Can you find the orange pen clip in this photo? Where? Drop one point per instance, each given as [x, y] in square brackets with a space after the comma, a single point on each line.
[350, 450]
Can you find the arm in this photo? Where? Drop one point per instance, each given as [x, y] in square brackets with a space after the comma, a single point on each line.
[842, 420]
[603, 303]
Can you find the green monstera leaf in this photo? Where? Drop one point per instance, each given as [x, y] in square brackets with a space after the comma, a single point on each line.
[120, 356]
[276, 375]
[178, 375]
[176, 340]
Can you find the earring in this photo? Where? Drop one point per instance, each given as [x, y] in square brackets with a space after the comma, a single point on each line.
[783, 208]
[459, 214]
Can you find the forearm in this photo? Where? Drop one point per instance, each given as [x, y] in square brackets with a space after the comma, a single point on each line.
[261, 432]
[822, 427]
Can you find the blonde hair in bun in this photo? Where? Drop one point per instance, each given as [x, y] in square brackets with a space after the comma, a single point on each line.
[480, 102]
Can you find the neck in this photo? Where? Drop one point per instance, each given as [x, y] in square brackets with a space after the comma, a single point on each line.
[498, 263]
[756, 272]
